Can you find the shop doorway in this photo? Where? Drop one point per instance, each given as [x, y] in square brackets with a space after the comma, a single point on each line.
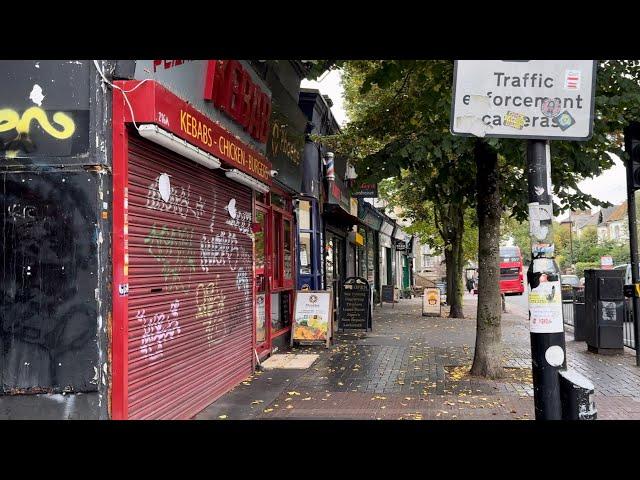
[334, 267]
[274, 271]
[262, 253]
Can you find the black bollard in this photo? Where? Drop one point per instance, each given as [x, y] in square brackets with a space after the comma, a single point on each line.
[576, 396]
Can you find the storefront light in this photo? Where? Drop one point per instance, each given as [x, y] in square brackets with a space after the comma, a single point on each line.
[245, 179]
[175, 144]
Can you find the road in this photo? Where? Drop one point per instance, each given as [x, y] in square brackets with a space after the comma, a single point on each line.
[516, 304]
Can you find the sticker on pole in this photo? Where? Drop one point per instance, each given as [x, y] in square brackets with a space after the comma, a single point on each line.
[538, 99]
[545, 308]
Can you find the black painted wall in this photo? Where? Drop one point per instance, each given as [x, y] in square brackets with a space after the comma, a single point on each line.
[48, 281]
[55, 228]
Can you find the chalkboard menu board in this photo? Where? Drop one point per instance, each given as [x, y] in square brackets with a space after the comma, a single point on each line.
[355, 305]
[388, 293]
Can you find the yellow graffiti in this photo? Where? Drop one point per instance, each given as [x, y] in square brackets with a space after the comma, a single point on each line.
[10, 119]
[210, 305]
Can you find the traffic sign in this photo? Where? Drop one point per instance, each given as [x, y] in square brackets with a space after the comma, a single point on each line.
[536, 99]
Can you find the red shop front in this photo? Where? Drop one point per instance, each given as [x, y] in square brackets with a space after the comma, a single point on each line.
[183, 330]
[274, 270]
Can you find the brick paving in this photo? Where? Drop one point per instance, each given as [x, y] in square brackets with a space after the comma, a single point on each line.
[412, 367]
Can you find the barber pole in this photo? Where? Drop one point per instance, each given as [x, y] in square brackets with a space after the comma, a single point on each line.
[330, 169]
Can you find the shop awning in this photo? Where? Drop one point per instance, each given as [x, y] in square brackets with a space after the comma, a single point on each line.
[340, 208]
[370, 216]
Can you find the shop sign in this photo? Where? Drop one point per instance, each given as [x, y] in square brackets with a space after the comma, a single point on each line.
[312, 316]
[285, 146]
[152, 103]
[401, 246]
[536, 99]
[354, 207]
[366, 190]
[387, 228]
[388, 294]
[385, 240]
[339, 196]
[355, 306]
[217, 95]
[231, 89]
[431, 305]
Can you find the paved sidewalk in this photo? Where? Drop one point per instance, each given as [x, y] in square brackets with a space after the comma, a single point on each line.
[413, 367]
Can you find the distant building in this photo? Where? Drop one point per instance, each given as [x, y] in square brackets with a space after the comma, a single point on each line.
[613, 223]
[580, 219]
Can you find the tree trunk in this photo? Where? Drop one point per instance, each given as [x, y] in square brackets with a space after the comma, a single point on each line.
[456, 291]
[487, 361]
[454, 229]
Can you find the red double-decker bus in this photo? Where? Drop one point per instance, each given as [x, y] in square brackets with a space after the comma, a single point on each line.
[511, 274]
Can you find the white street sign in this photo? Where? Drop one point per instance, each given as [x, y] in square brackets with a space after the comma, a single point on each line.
[537, 99]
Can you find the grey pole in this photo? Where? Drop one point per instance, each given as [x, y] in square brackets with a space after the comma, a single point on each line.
[548, 352]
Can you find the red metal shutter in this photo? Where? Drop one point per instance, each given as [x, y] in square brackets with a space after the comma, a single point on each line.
[190, 284]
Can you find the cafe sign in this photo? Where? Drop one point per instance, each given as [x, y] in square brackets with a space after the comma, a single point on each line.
[366, 190]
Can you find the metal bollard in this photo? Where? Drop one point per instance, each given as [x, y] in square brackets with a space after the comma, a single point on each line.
[576, 396]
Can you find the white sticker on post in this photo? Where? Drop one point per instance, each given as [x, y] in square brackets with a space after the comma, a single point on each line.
[554, 355]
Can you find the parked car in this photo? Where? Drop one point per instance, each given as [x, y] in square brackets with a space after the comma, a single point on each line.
[568, 282]
[572, 280]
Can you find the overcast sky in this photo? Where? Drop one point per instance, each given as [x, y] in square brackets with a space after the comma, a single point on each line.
[610, 186]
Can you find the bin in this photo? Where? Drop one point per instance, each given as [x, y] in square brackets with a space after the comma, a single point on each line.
[604, 310]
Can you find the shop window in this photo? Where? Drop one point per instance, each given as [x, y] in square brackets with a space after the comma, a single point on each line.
[260, 272]
[260, 252]
[277, 249]
[304, 215]
[280, 311]
[305, 253]
[371, 266]
[261, 326]
[288, 254]
[276, 318]
[261, 197]
[279, 201]
[329, 260]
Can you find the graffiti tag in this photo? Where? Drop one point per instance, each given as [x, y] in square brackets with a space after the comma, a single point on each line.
[10, 119]
[221, 249]
[242, 222]
[157, 331]
[171, 248]
[178, 203]
[210, 306]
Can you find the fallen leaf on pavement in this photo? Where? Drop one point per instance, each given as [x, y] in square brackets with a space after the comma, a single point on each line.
[255, 402]
[267, 410]
[292, 393]
[222, 417]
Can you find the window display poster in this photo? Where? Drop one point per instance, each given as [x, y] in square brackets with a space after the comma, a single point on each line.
[545, 308]
[261, 330]
[312, 316]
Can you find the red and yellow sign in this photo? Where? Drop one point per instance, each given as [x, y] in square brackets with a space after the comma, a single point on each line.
[152, 103]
